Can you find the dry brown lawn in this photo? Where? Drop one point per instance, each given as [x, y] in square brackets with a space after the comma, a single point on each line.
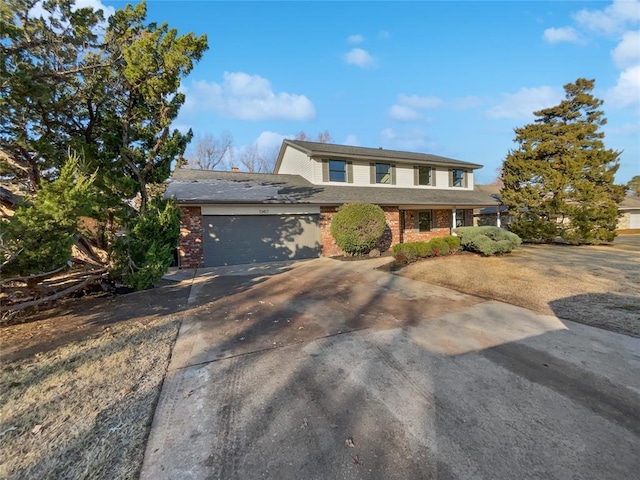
[595, 285]
[82, 408]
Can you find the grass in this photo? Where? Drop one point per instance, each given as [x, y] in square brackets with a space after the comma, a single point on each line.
[592, 285]
[84, 410]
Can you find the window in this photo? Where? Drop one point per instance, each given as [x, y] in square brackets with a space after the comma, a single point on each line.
[459, 218]
[383, 173]
[457, 178]
[424, 175]
[425, 221]
[337, 171]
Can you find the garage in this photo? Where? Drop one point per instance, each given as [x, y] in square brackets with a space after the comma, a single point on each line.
[634, 220]
[240, 239]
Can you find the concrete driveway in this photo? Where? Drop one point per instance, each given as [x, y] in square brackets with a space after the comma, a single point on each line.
[333, 370]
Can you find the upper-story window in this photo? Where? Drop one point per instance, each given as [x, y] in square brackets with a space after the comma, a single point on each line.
[457, 178]
[337, 171]
[383, 173]
[424, 175]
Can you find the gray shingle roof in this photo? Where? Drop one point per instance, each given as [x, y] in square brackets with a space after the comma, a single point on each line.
[364, 153]
[202, 186]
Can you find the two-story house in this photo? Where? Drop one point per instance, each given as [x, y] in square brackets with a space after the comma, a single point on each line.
[234, 218]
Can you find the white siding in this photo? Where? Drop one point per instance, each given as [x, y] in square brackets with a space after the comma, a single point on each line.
[296, 162]
[361, 173]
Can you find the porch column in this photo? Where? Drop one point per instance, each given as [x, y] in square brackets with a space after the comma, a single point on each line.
[453, 220]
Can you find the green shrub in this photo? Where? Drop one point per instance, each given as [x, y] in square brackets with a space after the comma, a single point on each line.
[405, 252]
[488, 240]
[453, 242]
[142, 254]
[423, 249]
[439, 247]
[39, 237]
[357, 227]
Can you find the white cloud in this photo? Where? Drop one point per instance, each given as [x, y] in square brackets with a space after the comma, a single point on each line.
[414, 139]
[247, 97]
[627, 53]
[612, 19]
[355, 38]
[562, 34]
[96, 5]
[406, 110]
[522, 104]
[404, 113]
[416, 101]
[269, 141]
[38, 11]
[351, 140]
[360, 57]
[626, 93]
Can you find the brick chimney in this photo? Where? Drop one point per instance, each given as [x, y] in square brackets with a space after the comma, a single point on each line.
[235, 169]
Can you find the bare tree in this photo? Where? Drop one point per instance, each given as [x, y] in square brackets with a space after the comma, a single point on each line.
[211, 152]
[322, 137]
[252, 160]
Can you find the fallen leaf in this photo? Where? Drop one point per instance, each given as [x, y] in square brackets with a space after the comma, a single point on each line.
[36, 430]
[356, 460]
[126, 391]
[350, 442]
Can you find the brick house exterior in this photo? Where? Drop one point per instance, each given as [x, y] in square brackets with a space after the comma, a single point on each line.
[234, 217]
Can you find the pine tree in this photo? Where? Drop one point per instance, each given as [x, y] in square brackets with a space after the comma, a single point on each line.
[560, 181]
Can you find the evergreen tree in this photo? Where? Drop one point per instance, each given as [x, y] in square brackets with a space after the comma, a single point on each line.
[633, 186]
[107, 89]
[560, 181]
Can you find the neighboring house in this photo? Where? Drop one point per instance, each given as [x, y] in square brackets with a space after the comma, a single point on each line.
[234, 218]
[496, 216]
[630, 219]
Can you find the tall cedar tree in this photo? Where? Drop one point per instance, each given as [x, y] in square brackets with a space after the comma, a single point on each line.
[559, 182]
[108, 90]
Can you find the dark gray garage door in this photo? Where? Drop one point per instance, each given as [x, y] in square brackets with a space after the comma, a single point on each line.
[233, 240]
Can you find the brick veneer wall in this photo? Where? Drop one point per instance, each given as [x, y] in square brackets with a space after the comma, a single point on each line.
[190, 248]
[390, 237]
[441, 226]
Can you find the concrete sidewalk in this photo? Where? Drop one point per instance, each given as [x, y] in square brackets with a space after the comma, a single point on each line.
[334, 370]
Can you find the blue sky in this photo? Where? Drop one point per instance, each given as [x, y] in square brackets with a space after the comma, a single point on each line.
[448, 78]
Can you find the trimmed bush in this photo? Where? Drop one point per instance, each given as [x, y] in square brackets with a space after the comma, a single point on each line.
[423, 249]
[488, 240]
[453, 242]
[405, 252]
[439, 247]
[357, 227]
[412, 251]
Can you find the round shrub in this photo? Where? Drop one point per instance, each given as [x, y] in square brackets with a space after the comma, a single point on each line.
[488, 240]
[423, 249]
[405, 252]
[357, 227]
[453, 242]
[439, 247]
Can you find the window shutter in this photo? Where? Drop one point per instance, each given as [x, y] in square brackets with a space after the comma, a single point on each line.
[464, 182]
[393, 174]
[450, 178]
[349, 172]
[433, 176]
[325, 170]
[372, 173]
[416, 175]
